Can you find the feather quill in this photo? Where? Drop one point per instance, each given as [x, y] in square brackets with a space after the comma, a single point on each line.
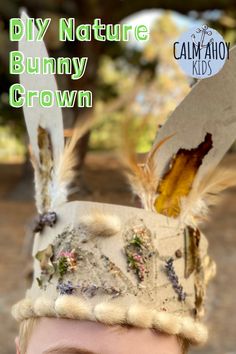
[206, 194]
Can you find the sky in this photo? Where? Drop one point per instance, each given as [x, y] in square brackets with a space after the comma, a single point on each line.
[148, 17]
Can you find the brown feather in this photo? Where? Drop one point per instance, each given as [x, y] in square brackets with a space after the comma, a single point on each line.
[70, 157]
[142, 177]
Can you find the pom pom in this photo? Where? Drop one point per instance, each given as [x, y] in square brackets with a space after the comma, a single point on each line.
[22, 310]
[140, 316]
[44, 307]
[166, 322]
[196, 332]
[99, 224]
[72, 307]
[109, 313]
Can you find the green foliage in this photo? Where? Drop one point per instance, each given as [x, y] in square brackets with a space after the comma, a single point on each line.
[11, 145]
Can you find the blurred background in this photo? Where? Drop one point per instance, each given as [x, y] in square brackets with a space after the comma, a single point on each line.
[136, 81]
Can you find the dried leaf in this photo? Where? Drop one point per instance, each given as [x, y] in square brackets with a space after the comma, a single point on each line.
[178, 180]
[44, 257]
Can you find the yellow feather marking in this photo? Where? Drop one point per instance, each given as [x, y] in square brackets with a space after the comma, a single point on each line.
[178, 180]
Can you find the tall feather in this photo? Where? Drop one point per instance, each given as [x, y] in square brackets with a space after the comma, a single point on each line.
[207, 193]
[65, 173]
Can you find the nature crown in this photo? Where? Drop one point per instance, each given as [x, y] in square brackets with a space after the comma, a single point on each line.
[145, 267]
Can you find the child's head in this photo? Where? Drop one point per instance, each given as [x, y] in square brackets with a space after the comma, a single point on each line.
[103, 265]
[64, 336]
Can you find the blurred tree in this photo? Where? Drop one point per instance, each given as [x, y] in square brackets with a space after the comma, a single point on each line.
[145, 84]
[85, 11]
[110, 12]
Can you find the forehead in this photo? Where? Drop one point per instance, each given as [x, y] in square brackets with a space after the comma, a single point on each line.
[51, 333]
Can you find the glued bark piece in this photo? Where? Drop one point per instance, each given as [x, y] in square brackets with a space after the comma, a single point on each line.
[192, 239]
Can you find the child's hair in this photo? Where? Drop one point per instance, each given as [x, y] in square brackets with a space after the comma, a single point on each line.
[184, 344]
[27, 327]
[25, 331]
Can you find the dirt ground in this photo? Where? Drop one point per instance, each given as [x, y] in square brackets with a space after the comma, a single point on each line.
[106, 184]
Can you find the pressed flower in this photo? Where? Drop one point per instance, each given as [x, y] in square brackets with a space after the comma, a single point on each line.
[137, 250]
[169, 266]
[66, 288]
[67, 261]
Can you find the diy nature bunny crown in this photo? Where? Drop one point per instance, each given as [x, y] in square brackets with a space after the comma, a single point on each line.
[123, 265]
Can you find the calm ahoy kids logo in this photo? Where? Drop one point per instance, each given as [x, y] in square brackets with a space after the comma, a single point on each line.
[201, 52]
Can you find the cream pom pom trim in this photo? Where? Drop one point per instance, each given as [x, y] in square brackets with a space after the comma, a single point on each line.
[69, 306]
[100, 224]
